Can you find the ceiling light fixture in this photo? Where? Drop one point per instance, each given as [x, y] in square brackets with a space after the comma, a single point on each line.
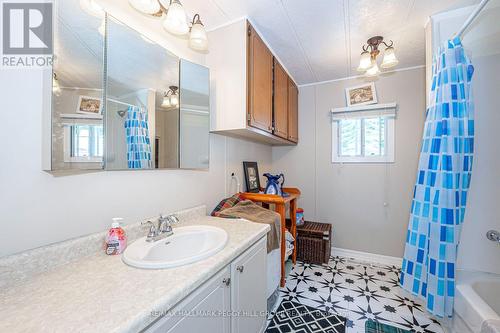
[368, 58]
[175, 20]
[171, 98]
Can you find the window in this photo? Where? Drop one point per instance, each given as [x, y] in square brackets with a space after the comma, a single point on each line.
[362, 137]
[83, 143]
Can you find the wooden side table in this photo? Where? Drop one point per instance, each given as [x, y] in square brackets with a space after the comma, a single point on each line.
[280, 204]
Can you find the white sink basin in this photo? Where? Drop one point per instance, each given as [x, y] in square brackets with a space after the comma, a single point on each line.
[187, 245]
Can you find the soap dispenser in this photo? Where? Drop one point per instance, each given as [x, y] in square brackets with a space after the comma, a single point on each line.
[116, 240]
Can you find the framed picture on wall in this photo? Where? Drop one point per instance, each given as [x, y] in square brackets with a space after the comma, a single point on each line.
[251, 176]
[361, 95]
[89, 105]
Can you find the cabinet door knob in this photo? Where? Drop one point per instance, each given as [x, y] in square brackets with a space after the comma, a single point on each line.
[240, 268]
[227, 281]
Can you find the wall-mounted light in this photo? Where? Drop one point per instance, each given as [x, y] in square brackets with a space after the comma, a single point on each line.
[368, 58]
[171, 98]
[198, 39]
[56, 88]
[175, 20]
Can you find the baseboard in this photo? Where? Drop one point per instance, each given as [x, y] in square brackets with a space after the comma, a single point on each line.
[366, 256]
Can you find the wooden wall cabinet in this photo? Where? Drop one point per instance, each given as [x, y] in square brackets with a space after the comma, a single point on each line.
[293, 112]
[260, 83]
[281, 101]
[250, 90]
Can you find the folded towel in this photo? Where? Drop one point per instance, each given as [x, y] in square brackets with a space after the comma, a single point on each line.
[248, 210]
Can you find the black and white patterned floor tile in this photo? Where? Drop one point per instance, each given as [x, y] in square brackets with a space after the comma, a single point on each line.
[295, 317]
[358, 291]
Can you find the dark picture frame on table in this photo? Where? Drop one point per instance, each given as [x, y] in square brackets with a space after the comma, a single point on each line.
[252, 179]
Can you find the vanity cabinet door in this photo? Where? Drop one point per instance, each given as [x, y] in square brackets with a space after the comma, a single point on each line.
[248, 290]
[201, 311]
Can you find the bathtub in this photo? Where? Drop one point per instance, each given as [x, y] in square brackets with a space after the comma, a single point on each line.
[477, 300]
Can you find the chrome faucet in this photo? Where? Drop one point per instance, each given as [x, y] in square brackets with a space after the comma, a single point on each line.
[162, 230]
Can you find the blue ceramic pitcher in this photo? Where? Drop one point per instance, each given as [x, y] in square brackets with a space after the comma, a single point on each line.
[273, 184]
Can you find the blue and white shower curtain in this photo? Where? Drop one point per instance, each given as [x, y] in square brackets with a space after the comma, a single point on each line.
[443, 178]
[138, 142]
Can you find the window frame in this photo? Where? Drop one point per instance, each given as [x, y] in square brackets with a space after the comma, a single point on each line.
[68, 158]
[389, 143]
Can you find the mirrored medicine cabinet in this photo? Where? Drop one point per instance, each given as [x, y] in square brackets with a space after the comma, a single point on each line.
[121, 101]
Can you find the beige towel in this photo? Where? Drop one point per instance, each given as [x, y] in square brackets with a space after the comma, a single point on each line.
[255, 213]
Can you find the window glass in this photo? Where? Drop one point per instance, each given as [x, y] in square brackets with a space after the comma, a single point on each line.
[350, 137]
[374, 136]
[87, 141]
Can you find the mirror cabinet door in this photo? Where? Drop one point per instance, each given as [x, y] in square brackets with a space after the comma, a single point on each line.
[77, 134]
[117, 105]
[142, 102]
[194, 116]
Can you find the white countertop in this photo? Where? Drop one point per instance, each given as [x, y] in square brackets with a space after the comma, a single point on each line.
[99, 293]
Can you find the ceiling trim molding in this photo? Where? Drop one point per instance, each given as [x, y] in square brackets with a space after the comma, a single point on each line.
[223, 25]
[358, 76]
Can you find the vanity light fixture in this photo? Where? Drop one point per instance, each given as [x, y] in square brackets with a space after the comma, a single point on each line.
[56, 88]
[171, 98]
[368, 58]
[175, 20]
[198, 39]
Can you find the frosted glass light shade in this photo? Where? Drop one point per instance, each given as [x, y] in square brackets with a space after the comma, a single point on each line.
[174, 100]
[92, 8]
[166, 102]
[390, 59]
[176, 20]
[145, 6]
[373, 70]
[198, 39]
[365, 62]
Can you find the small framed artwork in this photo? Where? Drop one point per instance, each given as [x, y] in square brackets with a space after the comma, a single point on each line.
[89, 105]
[361, 95]
[251, 176]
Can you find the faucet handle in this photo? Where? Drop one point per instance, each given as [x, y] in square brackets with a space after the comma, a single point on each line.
[173, 219]
[152, 229]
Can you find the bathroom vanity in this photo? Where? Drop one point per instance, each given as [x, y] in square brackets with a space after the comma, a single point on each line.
[234, 300]
[73, 286]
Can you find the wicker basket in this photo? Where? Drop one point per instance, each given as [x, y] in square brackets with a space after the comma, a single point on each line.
[314, 242]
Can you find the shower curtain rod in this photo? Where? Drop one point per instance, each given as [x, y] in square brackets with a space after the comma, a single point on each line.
[471, 18]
